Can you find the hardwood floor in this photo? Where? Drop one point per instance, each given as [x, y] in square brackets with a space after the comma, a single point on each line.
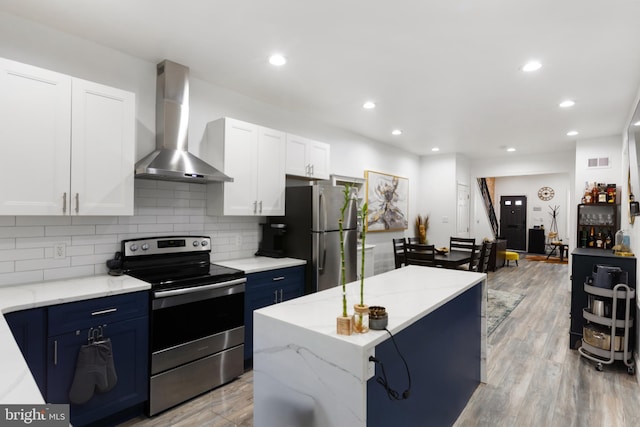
[534, 379]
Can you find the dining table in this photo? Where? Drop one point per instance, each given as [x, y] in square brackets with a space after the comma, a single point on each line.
[452, 259]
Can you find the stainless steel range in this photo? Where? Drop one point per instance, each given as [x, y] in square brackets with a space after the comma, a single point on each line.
[197, 316]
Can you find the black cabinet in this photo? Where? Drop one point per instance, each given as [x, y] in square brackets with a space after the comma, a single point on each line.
[267, 288]
[583, 262]
[536, 241]
[600, 219]
[124, 320]
[29, 330]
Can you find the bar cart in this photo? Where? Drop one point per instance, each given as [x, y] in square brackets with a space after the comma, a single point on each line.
[602, 347]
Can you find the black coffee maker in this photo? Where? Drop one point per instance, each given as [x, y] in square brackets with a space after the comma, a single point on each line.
[272, 243]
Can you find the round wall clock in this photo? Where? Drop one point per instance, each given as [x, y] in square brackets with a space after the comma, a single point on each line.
[545, 193]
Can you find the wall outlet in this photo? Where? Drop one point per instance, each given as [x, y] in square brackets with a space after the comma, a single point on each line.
[371, 366]
[59, 251]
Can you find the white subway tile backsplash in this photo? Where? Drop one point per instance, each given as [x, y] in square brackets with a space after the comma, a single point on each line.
[7, 221]
[7, 243]
[21, 277]
[87, 260]
[68, 273]
[21, 254]
[6, 232]
[42, 264]
[155, 228]
[116, 229]
[72, 230]
[174, 203]
[40, 242]
[26, 243]
[42, 220]
[73, 251]
[95, 239]
[6, 267]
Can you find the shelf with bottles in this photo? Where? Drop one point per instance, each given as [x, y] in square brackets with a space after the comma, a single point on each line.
[599, 193]
[597, 225]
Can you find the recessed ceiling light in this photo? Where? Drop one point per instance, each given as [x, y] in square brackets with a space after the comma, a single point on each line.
[435, 149]
[572, 133]
[637, 123]
[277, 60]
[531, 66]
[566, 104]
[369, 105]
[511, 149]
[396, 132]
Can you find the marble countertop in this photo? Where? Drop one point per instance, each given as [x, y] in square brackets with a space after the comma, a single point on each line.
[17, 385]
[408, 294]
[257, 264]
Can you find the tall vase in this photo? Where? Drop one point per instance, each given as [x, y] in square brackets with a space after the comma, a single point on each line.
[422, 235]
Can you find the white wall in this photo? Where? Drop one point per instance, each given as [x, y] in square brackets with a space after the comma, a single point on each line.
[437, 197]
[26, 242]
[538, 211]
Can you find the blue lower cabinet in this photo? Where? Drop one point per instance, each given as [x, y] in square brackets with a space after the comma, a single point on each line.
[29, 330]
[267, 288]
[129, 344]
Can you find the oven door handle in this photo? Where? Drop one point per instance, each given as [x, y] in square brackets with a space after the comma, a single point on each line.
[184, 291]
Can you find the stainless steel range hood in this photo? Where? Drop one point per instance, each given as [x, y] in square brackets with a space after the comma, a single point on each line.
[171, 161]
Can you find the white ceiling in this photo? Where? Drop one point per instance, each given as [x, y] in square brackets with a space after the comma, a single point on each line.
[446, 72]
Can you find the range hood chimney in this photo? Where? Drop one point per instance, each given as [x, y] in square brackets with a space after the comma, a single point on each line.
[171, 161]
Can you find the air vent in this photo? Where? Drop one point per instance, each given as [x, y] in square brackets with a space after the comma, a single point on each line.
[598, 162]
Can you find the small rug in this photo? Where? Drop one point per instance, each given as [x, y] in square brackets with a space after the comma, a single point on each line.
[543, 258]
[500, 305]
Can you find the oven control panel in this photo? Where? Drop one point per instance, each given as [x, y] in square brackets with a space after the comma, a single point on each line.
[166, 245]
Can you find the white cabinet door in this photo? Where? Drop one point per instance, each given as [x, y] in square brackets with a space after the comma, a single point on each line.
[296, 160]
[35, 135]
[103, 150]
[307, 158]
[319, 156]
[240, 163]
[271, 172]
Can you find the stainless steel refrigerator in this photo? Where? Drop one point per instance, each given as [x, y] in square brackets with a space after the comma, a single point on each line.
[312, 214]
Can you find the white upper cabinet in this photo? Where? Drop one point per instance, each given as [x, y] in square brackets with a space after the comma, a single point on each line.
[254, 156]
[307, 158]
[71, 144]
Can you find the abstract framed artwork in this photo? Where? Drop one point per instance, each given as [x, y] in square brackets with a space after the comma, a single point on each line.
[387, 202]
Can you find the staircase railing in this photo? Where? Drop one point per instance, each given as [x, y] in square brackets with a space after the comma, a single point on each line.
[488, 205]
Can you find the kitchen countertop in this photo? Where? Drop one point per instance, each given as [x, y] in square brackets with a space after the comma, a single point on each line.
[17, 385]
[257, 264]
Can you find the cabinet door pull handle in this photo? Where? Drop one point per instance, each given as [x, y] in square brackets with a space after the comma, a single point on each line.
[55, 352]
[255, 206]
[77, 202]
[64, 202]
[275, 296]
[276, 279]
[312, 169]
[108, 310]
[281, 299]
[260, 204]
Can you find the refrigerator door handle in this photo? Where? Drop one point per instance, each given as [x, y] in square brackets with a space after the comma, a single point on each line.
[323, 252]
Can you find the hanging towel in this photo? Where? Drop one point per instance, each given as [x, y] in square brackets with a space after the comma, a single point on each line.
[95, 370]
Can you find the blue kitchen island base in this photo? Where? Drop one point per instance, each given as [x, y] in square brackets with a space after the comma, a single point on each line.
[442, 351]
[307, 375]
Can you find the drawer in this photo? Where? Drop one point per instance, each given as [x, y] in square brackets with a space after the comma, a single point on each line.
[93, 312]
[282, 277]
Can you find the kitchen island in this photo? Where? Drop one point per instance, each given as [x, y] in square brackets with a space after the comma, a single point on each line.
[306, 374]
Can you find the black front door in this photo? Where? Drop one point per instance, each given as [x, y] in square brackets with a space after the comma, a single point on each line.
[513, 221]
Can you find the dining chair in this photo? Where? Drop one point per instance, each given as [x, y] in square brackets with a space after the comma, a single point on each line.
[475, 258]
[417, 254]
[461, 243]
[398, 251]
[413, 240]
[487, 246]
